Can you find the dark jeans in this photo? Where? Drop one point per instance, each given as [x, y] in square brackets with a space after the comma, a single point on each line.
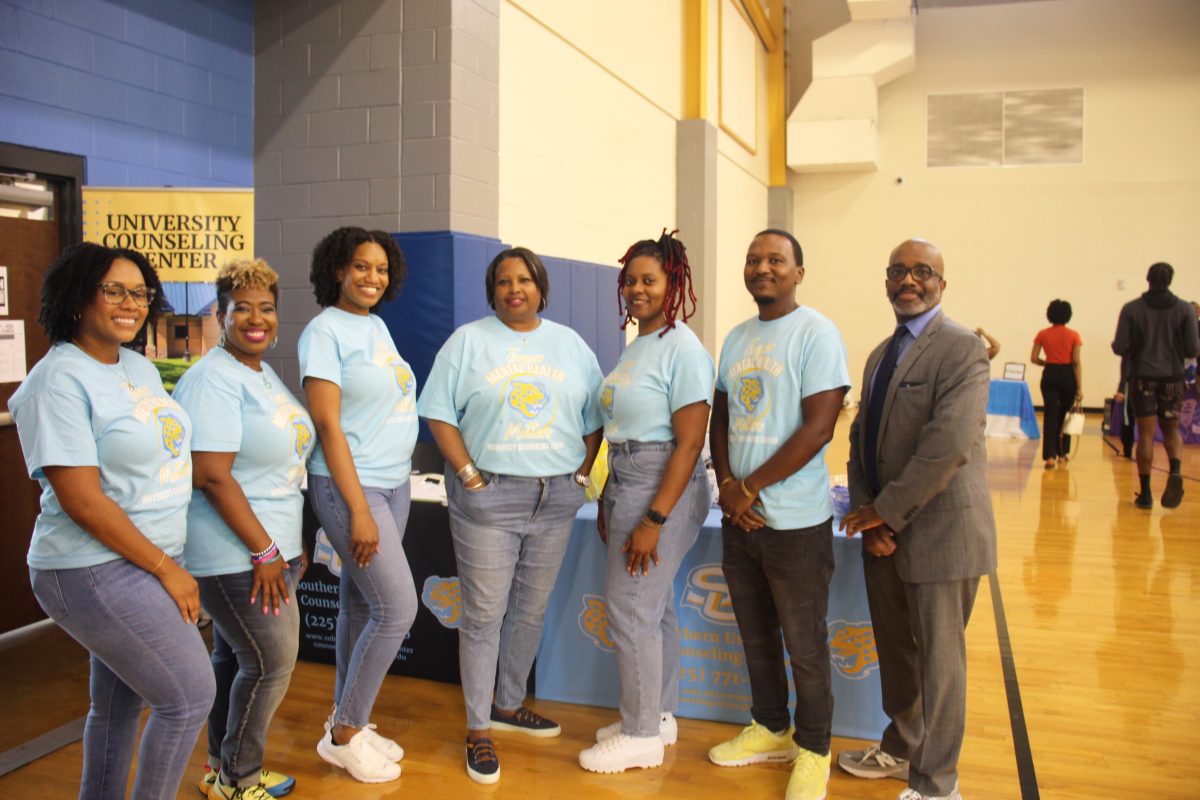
[253, 657]
[1058, 395]
[779, 582]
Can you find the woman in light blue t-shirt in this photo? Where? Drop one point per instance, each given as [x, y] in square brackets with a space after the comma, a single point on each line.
[362, 397]
[111, 451]
[511, 401]
[250, 441]
[655, 405]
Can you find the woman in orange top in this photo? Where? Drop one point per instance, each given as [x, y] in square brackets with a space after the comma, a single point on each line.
[1062, 378]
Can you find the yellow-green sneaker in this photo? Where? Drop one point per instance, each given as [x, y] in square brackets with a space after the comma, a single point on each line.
[810, 776]
[255, 792]
[276, 784]
[754, 745]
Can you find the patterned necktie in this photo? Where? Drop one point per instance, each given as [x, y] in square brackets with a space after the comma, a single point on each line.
[879, 387]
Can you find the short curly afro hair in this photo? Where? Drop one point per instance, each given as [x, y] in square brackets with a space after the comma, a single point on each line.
[74, 278]
[1058, 312]
[336, 251]
[249, 273]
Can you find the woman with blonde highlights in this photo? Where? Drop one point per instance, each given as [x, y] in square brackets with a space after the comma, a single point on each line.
[250, 441]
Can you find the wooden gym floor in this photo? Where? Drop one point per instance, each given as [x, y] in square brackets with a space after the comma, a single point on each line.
[1101, 605]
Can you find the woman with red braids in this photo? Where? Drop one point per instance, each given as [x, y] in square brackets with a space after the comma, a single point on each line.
[655, 406]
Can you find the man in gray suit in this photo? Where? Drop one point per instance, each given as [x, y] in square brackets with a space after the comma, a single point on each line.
[918, 482]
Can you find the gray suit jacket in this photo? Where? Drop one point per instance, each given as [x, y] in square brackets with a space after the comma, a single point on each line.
[932, 460]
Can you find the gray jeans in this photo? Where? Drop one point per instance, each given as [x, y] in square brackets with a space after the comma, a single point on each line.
[509, 542]
[142, 653]
[253, 657]
[641, 608]
[376, 605]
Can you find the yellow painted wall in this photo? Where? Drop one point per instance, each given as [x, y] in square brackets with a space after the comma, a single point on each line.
[587, 161]
[1014, 238]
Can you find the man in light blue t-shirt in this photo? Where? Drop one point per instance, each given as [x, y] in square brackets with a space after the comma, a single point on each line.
[780, 384]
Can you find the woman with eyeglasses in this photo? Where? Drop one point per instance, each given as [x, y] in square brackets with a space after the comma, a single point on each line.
[112, 452]
[250, 442]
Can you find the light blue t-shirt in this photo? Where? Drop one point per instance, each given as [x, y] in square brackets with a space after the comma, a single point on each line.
[379, 393]
[73, 411]
[237, 410]
[767, 369]
[521, 401]
[654, 378]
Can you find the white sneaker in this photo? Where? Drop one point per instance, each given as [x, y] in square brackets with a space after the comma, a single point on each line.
[388, 748]
[668, 730]
[621, 752]
[913, 794]
[359, 758]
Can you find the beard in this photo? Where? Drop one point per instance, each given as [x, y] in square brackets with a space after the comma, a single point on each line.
[915, 306]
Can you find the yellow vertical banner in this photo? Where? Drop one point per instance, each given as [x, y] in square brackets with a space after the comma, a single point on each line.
[186, 234]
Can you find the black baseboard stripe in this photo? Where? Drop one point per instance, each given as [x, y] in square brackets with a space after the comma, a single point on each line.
[1016, 713]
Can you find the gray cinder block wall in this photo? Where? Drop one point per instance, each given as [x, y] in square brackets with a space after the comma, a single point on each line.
[377, 113]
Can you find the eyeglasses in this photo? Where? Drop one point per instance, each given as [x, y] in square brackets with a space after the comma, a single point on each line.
[921, 272]
[115, 294]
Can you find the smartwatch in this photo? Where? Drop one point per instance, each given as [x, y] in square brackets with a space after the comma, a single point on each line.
[656, 517]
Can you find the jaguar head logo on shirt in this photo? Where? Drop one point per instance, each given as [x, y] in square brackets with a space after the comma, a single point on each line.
[172, 433]
[404, 377]
[852, 649]
[607, 396]
[750, 392]
[303, 436]
[527, 398]
[593, 622]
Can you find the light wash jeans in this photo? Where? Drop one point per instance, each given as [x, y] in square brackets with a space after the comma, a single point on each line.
[641, 608]
[253, 657]
[142, 652]
[509, 542]
[377, 605]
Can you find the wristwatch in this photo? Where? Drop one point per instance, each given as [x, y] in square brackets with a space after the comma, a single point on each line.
[656, 517]
[583, 480]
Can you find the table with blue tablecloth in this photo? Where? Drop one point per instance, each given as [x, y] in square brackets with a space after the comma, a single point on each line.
[577, 664]
[1010, 413]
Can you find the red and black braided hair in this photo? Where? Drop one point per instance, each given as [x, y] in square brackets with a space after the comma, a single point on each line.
[671, 253]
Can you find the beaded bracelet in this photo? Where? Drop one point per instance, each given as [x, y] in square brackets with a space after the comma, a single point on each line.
[649, 523]
[266, 556]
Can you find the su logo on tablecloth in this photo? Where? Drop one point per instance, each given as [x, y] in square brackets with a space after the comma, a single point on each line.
[593, 622]
[323, 553]
[443, 598]
[852, 649]
[708, 594]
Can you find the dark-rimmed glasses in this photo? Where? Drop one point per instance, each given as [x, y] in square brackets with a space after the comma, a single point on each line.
[921, 272]
[115, 294]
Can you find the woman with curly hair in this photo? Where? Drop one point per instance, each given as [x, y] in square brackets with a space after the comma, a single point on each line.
[250, 441]
[362, 397]
[1062, 379]
[655, 405]
[511, 401]
[112, 453]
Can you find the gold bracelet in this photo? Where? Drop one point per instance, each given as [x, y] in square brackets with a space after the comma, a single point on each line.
[649, 523]
[159, 564]
[745, 491]
[723, 483]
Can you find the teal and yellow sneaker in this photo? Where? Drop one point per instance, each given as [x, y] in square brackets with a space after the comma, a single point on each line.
[275, 784]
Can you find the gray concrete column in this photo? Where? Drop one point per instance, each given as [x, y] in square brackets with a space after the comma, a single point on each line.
[696, 215]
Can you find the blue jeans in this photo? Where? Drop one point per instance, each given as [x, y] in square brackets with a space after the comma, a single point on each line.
[641, 608]
[253, 657]
[377, 605]
[779, 581]
[509, 542]
[141, 652]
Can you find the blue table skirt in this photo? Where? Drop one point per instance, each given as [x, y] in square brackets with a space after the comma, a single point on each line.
[576, 662]
[1010, 413]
